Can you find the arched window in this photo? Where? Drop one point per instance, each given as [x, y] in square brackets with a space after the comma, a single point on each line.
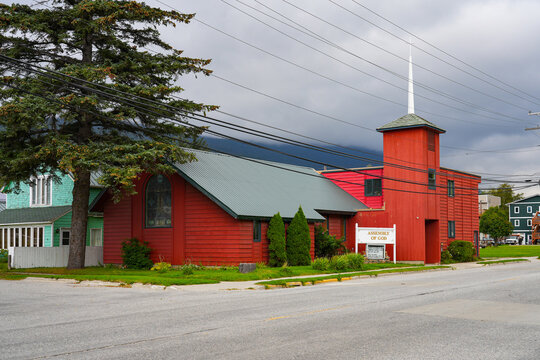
[158, 202]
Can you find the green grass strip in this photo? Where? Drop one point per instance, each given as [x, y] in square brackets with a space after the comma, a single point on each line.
[500, 261]
[338, 277]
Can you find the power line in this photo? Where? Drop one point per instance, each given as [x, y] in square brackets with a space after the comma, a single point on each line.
[439, 49]
[208, 120]
[380, 67]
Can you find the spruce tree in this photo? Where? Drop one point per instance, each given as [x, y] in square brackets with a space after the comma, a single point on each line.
[277, 254]
[298, 240]
[67, 116]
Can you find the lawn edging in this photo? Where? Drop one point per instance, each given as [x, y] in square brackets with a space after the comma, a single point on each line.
[308, 281]
[501, 262]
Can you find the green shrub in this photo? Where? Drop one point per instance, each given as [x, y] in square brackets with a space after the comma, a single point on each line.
[339, 263]
[355, 261]
[3, 256]
[189, 269]
[298, 240]
[320, 264]
[327, 245]
[446, 257]
[461, 251]
[277, 253]
[161, 267]
[136, 254]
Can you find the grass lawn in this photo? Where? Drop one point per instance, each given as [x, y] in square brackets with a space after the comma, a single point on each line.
[173, 277]
[510, 251]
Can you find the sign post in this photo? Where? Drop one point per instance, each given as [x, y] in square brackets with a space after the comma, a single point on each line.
[377, 238]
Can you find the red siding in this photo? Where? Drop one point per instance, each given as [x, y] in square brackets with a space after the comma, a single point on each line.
[353, 183]
[116, 228]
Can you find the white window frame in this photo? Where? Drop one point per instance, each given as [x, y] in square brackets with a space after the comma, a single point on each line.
[516, 209]
[41, 191]
[62, 230]
[98, 231]
[516, 222]
[529, 237]
[529, 222]
[529, 209]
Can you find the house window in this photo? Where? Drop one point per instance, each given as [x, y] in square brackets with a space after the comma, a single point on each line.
[344, 228]
[96, 238]
[451, 229]
[431, 179]
[516, 209]
[327, 222]
[256, 231]
[451, 188]
[158, 202]
[65, 235]
[372, 187]
[40, 191]
[516, 222]
[529, 222]
[529, 237]
[529, 209]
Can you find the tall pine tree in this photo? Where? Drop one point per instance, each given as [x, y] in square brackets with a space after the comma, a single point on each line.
[298, 240]
[50, 122]
[276, 241]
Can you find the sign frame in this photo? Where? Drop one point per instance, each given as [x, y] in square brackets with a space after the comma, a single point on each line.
[378, 236]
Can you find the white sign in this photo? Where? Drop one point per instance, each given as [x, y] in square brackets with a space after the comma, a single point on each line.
[376, 236]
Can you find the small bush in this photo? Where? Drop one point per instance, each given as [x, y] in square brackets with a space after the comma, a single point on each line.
[461, 251]
[189, 269]
[446, 257]
[136, 254]
[327, 245]
[356, 261]
[320, 264]
[161, 267]
[339, 263]
[3, 256]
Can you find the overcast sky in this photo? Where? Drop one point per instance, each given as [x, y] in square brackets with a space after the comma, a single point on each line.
[365, 84]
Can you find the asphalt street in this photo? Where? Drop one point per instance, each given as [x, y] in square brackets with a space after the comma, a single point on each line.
[478, 313]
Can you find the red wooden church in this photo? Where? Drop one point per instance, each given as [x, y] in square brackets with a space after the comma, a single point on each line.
[216, 210]
[430, 205]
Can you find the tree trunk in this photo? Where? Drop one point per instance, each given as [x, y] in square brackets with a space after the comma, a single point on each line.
[79, 219]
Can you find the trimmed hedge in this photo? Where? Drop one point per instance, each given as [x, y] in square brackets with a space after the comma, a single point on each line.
[461, 251]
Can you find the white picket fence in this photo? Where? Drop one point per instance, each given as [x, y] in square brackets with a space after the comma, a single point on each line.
[32, 257]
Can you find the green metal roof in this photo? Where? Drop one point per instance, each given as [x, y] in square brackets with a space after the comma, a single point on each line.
[44, 214]
[409, 121]
[250, 188]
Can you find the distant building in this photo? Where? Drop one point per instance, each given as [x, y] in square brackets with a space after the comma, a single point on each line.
[487, 201]
[521, 213]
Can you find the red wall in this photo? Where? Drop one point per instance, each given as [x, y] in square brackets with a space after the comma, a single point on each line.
[353, 183]
[201, 232]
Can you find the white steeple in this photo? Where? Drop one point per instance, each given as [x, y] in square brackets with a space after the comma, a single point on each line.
[411, 91]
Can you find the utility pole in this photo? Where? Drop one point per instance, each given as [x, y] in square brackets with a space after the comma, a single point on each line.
[534, 128]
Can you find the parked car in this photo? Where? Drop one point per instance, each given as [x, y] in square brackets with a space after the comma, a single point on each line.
[511, 240]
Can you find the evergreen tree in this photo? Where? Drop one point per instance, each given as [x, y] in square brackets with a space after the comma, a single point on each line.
[298, 240]
[276, 241]
[67, 116]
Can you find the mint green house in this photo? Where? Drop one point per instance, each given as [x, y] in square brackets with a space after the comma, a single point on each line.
[40, 215]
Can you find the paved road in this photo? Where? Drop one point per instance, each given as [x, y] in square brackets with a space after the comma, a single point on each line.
[478, 313]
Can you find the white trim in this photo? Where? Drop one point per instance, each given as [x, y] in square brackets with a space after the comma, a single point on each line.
[100, 236]
[516, 209]
[516, 222]
[529, 222]
[23, 224]
[38, 184]
[529, 209]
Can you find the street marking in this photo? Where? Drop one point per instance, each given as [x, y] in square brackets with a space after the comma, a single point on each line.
[482, 311]
[307, 313]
